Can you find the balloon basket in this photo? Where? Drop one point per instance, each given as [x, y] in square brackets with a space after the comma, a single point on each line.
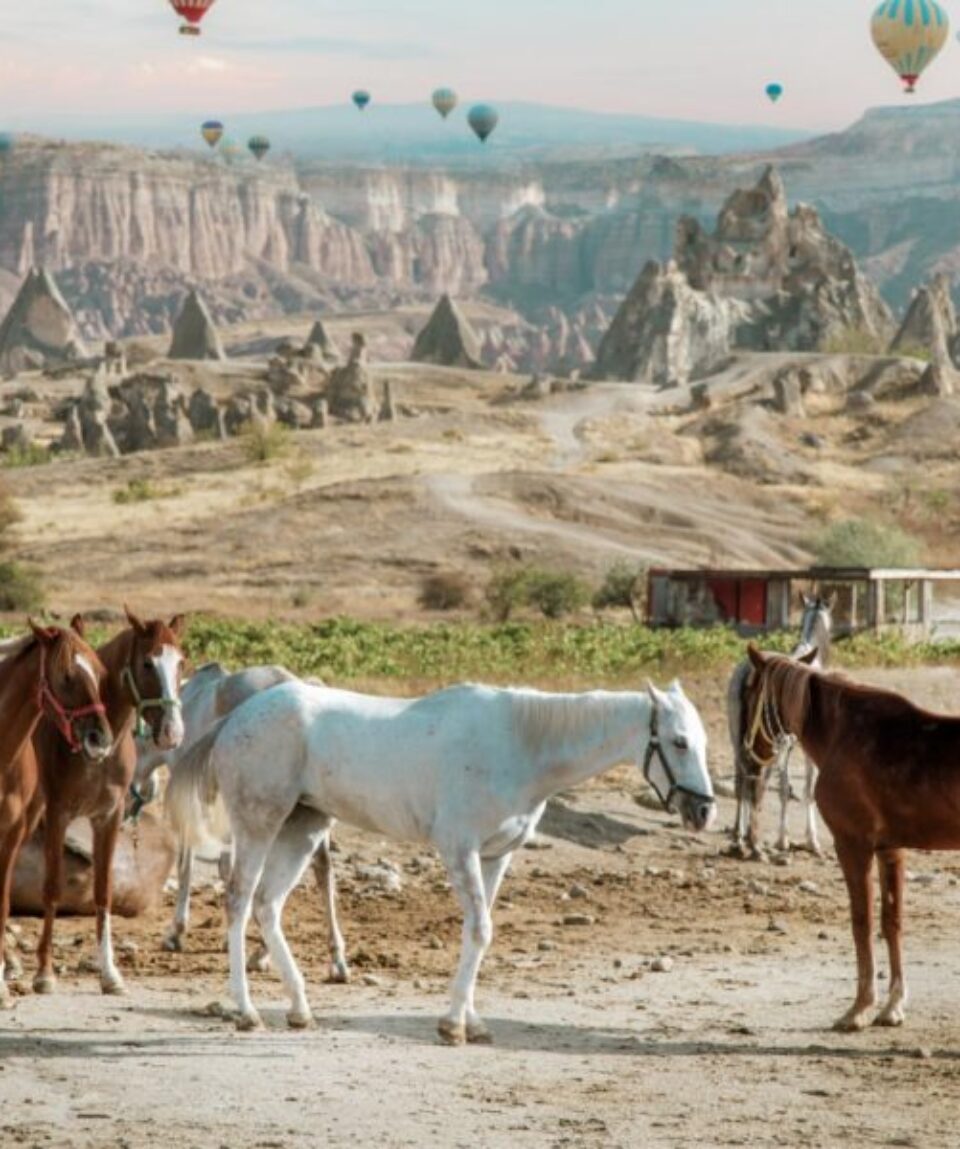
[189, 30]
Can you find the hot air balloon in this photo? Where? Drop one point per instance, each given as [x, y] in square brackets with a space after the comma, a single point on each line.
[6, 144]
[445, 100]
[483, 119]
[909, 35]
[362, 99]
[212, 132]
[774, 92]
[259, 146]
[231, 150]
[192, 12]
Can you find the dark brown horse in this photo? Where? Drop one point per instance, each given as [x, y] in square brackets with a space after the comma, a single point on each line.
[142, 685]
[54, 673]
[889, 781]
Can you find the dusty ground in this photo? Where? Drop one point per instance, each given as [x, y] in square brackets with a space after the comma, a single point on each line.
[730, 1046]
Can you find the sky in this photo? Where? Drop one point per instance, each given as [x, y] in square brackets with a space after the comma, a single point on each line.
[705, 60]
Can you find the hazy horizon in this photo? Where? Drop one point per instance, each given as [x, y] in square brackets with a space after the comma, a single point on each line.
[690, 60]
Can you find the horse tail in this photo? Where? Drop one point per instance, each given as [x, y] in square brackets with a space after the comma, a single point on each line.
[193, 803]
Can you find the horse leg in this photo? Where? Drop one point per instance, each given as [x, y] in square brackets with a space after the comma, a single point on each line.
[783, 838]
[55, 833]
[856, 861]
[743, 807]
[810, 809]
[9, 851]
[287, 862]
[755, 788]
[104, 846]
[891, 903]
[466, 877]
[326, 879]
[494, 870]
[173, 941]
[250, 856]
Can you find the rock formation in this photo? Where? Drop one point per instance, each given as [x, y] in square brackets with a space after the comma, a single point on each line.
[350, 391]
[766, 279]
[930, 324]
[322, 344]
[448, 340]
[194, 334]
[39, 329]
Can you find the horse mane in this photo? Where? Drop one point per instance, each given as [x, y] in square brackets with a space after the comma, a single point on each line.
[788, 682]
[13, 648]
[539, 718]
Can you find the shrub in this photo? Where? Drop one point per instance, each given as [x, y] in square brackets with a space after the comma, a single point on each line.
[507, 591]
[20, 587]
[854, 341]
[136, 491]
[624, 585]
[28, 455]
[556, 593]
[446, 590]
[263, 442]
[866, 543]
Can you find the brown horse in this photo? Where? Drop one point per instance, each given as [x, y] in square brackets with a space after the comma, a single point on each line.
[889, 781]
[143, 668]
[51, 672]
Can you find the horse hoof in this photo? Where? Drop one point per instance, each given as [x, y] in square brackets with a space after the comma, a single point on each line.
[13, 969]
[339, 973]
[297, 1020]
[452, 1032]
[851, 1023]
[258, 963]
[478, 1034]
[45, 983]
[173, 944]
[890, 1019]
[114, 987]
[248, 1022]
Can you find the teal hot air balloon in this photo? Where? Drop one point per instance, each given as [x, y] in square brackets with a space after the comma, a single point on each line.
[362, 99]
[259, 146]
[483, 119]
[774, 92]
[445, 100]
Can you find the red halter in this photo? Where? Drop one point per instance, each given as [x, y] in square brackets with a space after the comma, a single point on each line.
[62, 717]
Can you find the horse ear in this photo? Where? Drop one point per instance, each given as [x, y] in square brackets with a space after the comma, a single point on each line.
[756, 656]
[832, 602]
[135, 622]
[78, 625]
[178, 624]
[657, 695]
[804, 600]
[810, 657]
[675, 688]
[44, 634]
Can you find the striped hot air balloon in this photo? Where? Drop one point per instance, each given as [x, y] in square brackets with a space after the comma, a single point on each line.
[445, 100]
[909, 35]
[483, 119]
[362, 99]
[259, 146]
[212, 132]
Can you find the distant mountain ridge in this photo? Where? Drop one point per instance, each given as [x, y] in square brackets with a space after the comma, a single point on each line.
[414, 133]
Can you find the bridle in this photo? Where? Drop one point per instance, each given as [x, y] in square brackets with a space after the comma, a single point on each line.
[768, 723]
[64, 717]
[142, 705]
[655, 750]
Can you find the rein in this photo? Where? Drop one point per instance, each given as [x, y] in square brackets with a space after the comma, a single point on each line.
[144, 704]
[768, 723]
[62, 716]
[655, 750]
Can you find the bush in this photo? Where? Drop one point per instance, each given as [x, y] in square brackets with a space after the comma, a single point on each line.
[446, 590]
[20, 587]
[854, 341]
[264, 442]
[29, 455]
[623, 586]
[866, 543]
[553, 593]
[137, 491]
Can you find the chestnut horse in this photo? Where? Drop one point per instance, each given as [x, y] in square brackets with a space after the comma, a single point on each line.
[889, 781]
[143, 668]
[51, 672]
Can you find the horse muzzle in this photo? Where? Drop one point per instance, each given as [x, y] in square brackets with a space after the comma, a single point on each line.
[698, 812]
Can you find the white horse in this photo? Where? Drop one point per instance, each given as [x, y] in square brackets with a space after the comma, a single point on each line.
[467, 770]
[210, 695]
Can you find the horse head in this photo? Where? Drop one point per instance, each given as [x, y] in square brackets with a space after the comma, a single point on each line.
[72, 678]
[776, 698]
[153, 676]
[675, 764]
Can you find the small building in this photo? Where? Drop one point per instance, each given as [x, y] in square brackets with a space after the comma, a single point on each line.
[921, 603]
